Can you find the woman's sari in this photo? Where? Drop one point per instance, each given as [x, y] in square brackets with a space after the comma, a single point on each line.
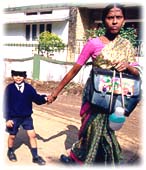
[97, 142]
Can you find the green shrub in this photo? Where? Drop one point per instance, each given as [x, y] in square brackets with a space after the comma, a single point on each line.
[50, 42]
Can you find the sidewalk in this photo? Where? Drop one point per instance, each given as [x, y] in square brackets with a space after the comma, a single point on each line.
[57, 127]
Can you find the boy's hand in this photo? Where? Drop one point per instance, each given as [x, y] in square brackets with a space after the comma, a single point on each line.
[46, 98]
[9, 123]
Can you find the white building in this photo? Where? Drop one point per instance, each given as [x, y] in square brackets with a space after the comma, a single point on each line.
[24, 24]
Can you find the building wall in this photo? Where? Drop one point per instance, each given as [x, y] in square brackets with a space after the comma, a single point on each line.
[17, 52]
[82, 23]
[61, 29]
[14, 33]
[56, 72]
[78, 23]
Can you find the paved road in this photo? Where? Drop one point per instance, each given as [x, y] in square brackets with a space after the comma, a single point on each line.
[57, 127]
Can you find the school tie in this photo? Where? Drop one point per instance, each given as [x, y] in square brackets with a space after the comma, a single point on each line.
[19, 87]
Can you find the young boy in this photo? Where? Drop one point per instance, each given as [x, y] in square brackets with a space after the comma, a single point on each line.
[18, 99]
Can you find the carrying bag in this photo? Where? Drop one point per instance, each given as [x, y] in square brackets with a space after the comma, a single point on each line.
[108, 89]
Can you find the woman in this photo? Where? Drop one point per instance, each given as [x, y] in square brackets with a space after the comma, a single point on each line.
[97, 143]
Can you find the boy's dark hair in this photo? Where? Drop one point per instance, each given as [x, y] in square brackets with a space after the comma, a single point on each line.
[110, 6]
[18, 73]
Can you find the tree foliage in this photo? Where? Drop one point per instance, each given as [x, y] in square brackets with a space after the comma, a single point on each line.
[49, 43]
[128, 33]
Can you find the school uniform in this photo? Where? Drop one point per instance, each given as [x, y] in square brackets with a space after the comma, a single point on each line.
[18, 105]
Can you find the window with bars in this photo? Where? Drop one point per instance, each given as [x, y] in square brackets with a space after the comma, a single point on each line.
[27, 32]
[32, 31]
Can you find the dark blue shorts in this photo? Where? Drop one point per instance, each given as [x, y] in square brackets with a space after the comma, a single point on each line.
[26, 123]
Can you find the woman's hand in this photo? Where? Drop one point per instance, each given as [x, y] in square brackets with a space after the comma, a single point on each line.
[9, 123]
[121, 66]
[51, 98]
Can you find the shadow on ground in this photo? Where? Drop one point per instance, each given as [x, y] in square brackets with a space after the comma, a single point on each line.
[71, 136]
[21, 138]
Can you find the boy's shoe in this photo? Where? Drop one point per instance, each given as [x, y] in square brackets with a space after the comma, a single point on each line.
[11, 155]
[39, 160]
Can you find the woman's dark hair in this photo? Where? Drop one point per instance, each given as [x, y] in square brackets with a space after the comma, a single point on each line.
[107, 9]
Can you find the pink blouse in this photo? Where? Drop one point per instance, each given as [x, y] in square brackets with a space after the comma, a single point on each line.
[91, 49]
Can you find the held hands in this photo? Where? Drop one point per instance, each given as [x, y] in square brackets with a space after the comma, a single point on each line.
[51, 98]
